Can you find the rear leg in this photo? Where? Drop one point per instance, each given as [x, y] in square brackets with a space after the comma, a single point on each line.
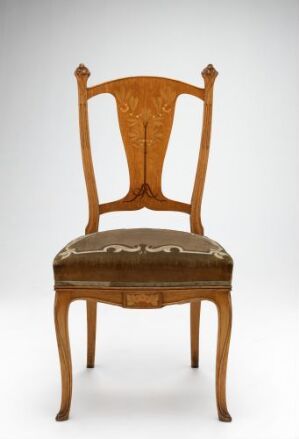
[194, 331]
[91, 308]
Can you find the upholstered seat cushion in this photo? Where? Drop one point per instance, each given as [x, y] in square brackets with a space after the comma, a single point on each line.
[142, 257]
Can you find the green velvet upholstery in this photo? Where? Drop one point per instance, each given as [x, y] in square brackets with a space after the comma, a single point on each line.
[142, 257]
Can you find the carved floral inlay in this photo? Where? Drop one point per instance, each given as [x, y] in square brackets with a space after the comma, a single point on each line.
[145, 300]
[217, 251]
[144, 189]
[147, 126]
[152, 116]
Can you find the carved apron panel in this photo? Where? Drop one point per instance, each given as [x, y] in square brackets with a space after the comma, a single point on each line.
[142, 300]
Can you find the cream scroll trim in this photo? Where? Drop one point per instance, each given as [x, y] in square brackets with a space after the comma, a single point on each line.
[218, 252]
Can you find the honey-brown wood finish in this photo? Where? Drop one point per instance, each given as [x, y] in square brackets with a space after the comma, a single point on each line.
[194, 331]
[145, 107]
[91, 308]
[153, 297]
[61, 310]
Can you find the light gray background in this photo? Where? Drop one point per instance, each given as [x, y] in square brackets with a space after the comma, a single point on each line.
[143, 385]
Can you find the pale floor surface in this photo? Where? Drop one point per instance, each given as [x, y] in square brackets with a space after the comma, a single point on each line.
[142, 385]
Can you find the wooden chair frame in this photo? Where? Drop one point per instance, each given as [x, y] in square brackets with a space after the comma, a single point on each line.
[145, 191]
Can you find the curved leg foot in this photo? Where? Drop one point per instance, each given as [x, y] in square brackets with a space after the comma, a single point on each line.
[62, 416]
[91, 308]
[194, 331]
[224, 416]
[223, 303]
[62, 302]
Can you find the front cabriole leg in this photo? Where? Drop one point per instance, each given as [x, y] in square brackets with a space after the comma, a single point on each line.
[62, 302]
[223, 303]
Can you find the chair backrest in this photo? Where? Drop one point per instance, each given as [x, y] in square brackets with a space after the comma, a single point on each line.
[145, 107]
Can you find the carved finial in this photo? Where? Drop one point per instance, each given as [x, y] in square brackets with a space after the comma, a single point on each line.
[82, 72]
[209, 73]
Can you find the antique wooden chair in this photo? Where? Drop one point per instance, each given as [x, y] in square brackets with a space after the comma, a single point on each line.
[144, 268]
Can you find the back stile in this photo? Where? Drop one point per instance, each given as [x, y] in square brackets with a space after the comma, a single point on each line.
[82, 74]
[209, 75]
